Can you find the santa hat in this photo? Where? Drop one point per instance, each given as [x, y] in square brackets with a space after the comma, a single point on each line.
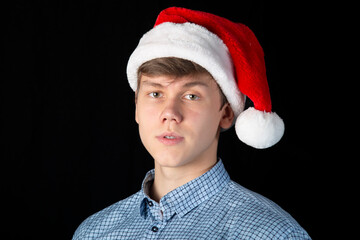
[230, 52]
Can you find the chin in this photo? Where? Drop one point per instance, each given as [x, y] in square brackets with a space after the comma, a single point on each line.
[170, 160]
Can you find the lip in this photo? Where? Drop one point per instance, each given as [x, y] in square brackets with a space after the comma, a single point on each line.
[172, 141]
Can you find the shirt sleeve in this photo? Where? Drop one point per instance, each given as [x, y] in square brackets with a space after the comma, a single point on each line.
[298, 234]
[295, 234]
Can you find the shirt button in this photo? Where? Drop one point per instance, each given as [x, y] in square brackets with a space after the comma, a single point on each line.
[151, 204]
[154, 229]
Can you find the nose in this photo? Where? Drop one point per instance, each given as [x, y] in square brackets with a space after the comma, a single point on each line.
[171, 112]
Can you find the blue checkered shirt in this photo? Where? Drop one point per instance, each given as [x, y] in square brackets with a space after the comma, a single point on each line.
[209, 207]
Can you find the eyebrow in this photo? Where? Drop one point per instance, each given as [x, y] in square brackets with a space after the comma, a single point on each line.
[196, 83]
[153, 84]
[186, 85]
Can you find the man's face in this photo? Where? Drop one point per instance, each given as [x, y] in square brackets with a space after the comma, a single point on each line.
[179, 118]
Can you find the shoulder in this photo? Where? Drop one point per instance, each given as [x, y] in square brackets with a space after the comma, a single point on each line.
[255, 216]
[105, 219]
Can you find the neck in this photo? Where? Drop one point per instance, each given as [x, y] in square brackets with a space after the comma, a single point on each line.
[169, 178]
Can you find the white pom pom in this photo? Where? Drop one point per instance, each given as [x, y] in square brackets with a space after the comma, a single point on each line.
[259, 129]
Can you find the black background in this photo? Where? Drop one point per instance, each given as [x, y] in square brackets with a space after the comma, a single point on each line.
[69, 139]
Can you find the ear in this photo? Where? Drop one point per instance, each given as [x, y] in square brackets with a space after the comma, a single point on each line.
[227, 117]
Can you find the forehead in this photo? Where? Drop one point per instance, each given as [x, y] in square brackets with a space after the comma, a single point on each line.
[202, 80]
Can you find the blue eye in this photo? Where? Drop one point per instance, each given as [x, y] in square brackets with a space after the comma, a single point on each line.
[192, 97]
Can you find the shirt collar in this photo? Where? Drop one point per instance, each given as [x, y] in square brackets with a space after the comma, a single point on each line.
[186, 197]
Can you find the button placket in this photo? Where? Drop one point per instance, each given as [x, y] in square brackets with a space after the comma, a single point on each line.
[157, 227]
[159, 222]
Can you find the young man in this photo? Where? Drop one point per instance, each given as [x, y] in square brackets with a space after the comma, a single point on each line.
[190, 74]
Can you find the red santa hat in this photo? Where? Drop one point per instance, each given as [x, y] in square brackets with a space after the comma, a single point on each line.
[230, 52]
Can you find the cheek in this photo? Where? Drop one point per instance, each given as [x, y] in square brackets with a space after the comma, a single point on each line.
[146, 119]
[145, 114]
[204, 123]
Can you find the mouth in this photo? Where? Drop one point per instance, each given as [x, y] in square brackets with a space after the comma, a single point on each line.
[170, 139]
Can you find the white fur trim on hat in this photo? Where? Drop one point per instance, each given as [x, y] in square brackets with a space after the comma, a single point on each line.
[191, 42]
[259, 129]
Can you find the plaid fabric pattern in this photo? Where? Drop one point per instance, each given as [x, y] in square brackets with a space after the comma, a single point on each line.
[208, 207]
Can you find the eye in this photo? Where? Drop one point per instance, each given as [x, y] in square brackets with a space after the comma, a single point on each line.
[192, 97]
[155, 94]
